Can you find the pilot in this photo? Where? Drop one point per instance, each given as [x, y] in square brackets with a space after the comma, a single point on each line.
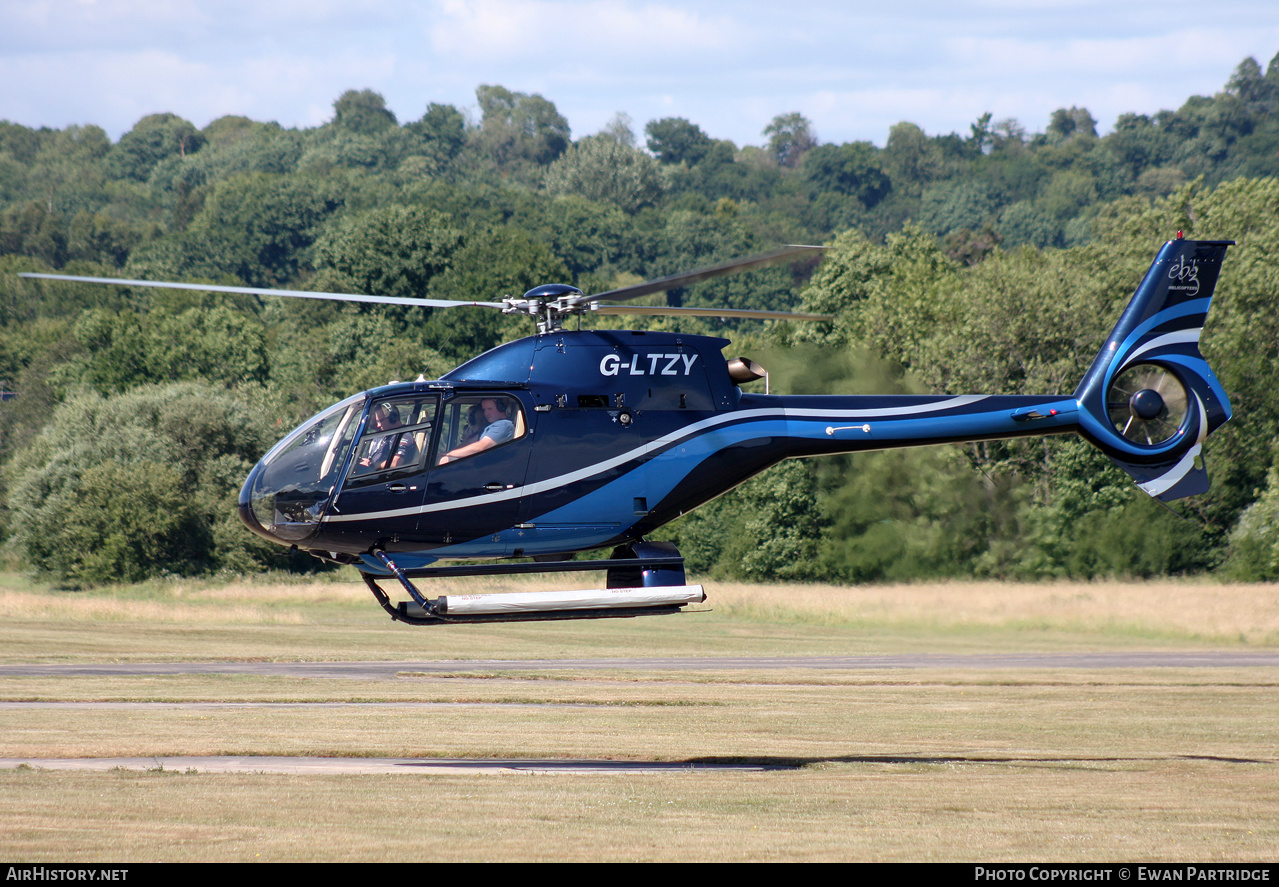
[380, 454]
[499, 430]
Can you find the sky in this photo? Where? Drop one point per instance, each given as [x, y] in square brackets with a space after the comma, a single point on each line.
[852, 68]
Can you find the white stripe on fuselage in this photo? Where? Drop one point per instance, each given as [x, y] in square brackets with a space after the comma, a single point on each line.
[658, 444]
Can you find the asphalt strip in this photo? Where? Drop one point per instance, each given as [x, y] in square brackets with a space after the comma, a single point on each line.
[297, 766]
[390, 669]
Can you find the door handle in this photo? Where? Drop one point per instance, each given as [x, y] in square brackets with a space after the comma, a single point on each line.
[494, 486]
[396, 487]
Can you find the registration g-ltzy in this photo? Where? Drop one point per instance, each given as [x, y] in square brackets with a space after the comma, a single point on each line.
[648, 364]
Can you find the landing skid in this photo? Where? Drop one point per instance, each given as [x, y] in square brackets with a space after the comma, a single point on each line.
[650, 582]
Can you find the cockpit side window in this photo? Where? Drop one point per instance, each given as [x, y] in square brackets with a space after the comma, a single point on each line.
[396, 438]
[472, 424]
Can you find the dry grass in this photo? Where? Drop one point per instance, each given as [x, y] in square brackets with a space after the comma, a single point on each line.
[1051, 764]
[805, 717]
[862, 810]
[338, 620]
[1247, 613]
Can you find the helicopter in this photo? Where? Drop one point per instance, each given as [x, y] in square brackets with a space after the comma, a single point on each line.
[569, 441]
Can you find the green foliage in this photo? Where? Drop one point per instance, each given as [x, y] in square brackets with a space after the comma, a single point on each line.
[790, 137]
[391, 251]
[1254, 542]
[954, 204]
[909, 514]
[439, 137]
[1024, 224]
[767, 529]
[676, 140]
[1075, 123]
[517, 129]
[990, 262]
[253, 227]
[490, 265]
[362, 111]
[137, 485]
[851, 169]
[911, 158]
[604, 170]
[32, 230]
[588, 236]
[152, 139]
[211, 343]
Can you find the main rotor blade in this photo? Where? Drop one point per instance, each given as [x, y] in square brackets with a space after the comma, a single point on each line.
[255, 291]
[659, 311]
[733, 266]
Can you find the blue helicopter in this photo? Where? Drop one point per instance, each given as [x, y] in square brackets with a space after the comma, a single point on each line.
[577, 440]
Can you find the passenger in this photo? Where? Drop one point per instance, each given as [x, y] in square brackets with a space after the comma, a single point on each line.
[474, 425]
[500, 429]
[387, 450]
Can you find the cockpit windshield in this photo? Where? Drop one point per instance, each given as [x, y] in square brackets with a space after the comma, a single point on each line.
[297, 476]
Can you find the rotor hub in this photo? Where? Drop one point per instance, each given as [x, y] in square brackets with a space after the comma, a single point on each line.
[1147, 404]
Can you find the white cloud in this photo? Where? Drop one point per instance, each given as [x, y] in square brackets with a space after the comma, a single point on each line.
[556, 33]
[854, 69]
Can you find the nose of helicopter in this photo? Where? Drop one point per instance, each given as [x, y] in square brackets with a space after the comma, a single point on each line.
[285, 516]
[244, 508]
[287, 493]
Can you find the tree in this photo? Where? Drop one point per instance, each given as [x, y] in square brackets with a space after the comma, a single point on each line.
[603, 169]
[254, 227]
[585, 234]
[211, 343]
[491, 264]
[440, 136]
[152, 139]
[1254, 542]
[363, 111]
[852, 168]
[1075, 123]
[392, 251]
[517, 127]
[137, 485]
[790, 136]
[70, 171]
[619, 129]
[910, 157]
[1249, 84]
[955, 203]
[1138, 143]
[676, 140]
[980, 138]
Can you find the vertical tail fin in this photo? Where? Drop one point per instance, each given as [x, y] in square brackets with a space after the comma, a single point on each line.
[1150, 398]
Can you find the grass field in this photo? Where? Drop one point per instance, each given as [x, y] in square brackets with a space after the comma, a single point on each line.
[920, 764]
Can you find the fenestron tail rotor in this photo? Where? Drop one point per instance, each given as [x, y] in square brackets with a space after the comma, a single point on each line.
[1147, 404]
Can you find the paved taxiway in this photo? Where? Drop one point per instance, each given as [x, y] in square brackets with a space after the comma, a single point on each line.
[386, 670]
[382, 766]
